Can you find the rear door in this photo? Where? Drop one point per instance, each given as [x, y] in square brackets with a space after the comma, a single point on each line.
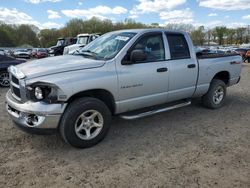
[144, 83]
[183, 68]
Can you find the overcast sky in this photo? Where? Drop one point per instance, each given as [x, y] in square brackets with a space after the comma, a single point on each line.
[55, 13]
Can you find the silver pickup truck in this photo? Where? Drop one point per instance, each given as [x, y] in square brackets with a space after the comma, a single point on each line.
[130, 73]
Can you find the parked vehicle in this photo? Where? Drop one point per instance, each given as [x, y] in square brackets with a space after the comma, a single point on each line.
[33, 52]
[22, 53]
[248, 56]
[242, 52]
[2, 52]
[9, 52]
[60, 45]
[130, 73]
[40, 53]
[29, 51]
[5, 62]
[82, 40]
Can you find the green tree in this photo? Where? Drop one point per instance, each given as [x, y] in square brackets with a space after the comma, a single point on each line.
[220, 33]
[198, 36]
[240, 33]
[48, 37]
[26, 36]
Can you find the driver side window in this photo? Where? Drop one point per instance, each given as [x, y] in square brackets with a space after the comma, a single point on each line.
[151, 45]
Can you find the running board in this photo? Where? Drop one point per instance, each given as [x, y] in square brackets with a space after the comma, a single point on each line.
[153, 112]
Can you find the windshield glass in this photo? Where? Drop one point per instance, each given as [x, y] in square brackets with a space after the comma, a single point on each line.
[82, 40]
[60, 42]
[107, 46]
[42, 50]
[22, 50]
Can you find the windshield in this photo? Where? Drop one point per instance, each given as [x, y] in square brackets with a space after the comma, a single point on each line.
[82, 40]
[60, 42]
[42, 50]
[22, 50]
[107, 46]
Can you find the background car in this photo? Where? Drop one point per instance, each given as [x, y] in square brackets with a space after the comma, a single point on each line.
[82, 40]
[5, 62]
[242, 52]
[22, 53]
[59, 47]
[2, 52]
[41, 53]
[248, 56]
[33, 52]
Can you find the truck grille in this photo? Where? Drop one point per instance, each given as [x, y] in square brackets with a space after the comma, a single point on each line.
[15, 80]
[15, 87]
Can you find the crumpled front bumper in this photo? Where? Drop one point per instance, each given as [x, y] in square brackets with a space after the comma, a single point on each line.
[45, 116]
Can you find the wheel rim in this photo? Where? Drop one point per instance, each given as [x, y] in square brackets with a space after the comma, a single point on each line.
[4, 79]
[218, 95]
[89, 124]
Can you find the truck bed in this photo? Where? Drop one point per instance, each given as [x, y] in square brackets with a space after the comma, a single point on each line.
[214, 55]
[211, 64]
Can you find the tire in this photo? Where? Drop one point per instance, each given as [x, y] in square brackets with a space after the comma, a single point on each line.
[4, 81]
[73, 120]
[216, 94]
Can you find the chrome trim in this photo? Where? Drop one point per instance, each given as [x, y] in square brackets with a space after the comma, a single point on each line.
[152, 112]
[19, 111]
[38, 108]
[46, 122]
[22, 90]
[16, 97]
[15, 85]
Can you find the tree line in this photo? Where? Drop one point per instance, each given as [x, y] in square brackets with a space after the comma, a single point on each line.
[29, 35]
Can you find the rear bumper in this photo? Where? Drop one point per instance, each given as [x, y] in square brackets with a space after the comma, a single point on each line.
[34, 116]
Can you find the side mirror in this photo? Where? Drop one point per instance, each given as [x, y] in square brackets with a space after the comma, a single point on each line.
[137, 56]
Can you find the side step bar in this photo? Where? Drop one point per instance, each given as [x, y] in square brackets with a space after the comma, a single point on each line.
[152, 112]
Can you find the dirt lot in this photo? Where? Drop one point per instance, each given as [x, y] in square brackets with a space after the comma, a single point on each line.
[188, 147]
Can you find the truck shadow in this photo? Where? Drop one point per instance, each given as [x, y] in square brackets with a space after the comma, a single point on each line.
[189, 126]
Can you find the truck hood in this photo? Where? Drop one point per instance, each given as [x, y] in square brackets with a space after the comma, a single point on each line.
[58, 64]
[74, 47]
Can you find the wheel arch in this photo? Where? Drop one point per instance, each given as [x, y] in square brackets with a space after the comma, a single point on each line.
[101, 94]
[222, 75]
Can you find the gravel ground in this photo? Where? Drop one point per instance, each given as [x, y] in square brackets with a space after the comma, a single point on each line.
[187, 147]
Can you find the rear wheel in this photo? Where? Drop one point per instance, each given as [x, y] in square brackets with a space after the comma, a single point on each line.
[85, 122]
[4, 79]
[216, 94]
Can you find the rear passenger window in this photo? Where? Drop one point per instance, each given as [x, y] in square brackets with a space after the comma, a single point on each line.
[178, 46]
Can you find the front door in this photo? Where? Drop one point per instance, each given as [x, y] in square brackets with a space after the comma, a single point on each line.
[144, 83]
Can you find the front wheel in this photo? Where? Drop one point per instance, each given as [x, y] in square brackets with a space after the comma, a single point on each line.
[4, 79]
[216, 94]
[85, 122]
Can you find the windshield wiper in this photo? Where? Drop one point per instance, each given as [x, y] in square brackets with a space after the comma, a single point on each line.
[86, 53]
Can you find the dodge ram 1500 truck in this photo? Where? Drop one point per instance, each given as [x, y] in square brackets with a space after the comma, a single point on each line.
[130, 73]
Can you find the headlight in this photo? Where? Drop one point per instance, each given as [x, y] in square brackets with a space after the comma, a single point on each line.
[45, 92]
[38, 93]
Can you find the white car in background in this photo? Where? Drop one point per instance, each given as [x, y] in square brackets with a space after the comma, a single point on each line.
[82, 40]
[22, 53]
[2, 52]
